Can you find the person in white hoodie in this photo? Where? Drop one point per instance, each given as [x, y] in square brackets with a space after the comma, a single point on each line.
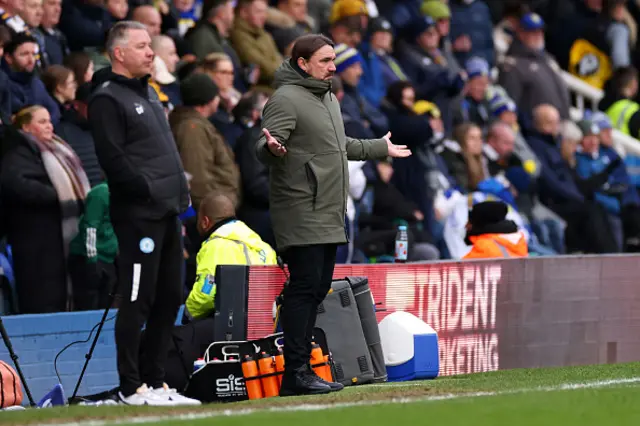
[357, 187]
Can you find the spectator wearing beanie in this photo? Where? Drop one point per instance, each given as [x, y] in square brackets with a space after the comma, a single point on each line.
[620, 174]
[594, 176]
[530, 75]
[428, 69]
[504, 110]
[380, 69]
[348, 64]
[491, 235]
[474, 107]
[285, 37]
[204, 153]
[505, 31]
[441, 14]
[630, 200]
[348, 21]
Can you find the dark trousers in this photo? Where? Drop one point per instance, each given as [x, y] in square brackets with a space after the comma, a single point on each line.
[149, 269]
[311, 272]
[588, 215]
[92, 283]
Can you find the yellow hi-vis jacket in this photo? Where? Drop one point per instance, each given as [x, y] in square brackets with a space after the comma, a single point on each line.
[234, 243]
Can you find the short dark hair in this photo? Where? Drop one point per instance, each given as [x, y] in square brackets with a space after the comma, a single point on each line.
[79, 63]
[515, 8]
[210, 7]
[54, 76]
[305, 46]
[394, 92]
[248, 103]
[17, 41]
[609, 5]
[621, 78]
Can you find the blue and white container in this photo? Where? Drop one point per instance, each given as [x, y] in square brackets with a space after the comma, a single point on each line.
[410, 348]
[198, 364]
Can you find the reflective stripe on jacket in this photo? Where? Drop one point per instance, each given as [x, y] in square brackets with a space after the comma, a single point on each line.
[621, 112]
[234, 243]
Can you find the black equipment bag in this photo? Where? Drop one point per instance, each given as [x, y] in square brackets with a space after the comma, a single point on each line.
[231, 303]
[222, 380]
[339, 318]
[188, 343]
[367, 312]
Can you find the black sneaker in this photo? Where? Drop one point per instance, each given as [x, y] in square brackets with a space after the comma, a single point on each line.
[300, 382]
[335, 386]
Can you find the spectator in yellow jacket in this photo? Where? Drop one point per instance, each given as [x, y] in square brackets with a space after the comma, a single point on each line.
[227, 241]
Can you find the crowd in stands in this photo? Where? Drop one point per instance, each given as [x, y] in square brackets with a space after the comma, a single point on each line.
[473, 87]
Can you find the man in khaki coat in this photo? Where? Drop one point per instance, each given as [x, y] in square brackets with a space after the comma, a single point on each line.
[204, 153]
[307, 151]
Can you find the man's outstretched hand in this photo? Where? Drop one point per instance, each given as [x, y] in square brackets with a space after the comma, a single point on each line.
[396, 151]
[275, 147]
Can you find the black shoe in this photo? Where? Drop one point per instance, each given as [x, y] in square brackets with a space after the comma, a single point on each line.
[300, 382]
[335, 386]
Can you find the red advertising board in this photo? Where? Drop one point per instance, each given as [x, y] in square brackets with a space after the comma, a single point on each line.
[489, 315]
[457, 299]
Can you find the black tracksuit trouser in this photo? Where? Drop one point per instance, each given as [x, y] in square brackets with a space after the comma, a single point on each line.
[149, 270]
[311, 272]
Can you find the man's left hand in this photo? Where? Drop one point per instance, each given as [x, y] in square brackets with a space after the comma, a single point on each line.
[396, 151]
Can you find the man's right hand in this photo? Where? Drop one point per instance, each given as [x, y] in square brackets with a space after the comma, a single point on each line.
[275, 147]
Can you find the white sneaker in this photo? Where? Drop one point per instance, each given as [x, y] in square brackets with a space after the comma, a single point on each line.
[144, 396]
[173, 396]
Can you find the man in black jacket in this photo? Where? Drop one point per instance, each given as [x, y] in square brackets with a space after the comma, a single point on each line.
[254, 207]
[74, 128]
[149, 190]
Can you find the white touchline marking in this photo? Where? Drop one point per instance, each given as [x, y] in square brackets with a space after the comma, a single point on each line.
[318, 407]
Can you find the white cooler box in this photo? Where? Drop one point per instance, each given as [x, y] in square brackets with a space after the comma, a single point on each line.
[410, 347]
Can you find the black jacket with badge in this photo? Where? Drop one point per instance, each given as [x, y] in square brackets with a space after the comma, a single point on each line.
[136, 148]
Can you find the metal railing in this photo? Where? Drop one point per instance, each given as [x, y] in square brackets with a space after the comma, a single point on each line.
[587, 97]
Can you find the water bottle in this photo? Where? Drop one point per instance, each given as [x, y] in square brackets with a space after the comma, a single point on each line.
[402, 245]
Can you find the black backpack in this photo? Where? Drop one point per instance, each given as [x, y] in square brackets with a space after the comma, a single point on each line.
[188, 343]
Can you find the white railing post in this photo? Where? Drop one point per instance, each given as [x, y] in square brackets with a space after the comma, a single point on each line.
[623, 143]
